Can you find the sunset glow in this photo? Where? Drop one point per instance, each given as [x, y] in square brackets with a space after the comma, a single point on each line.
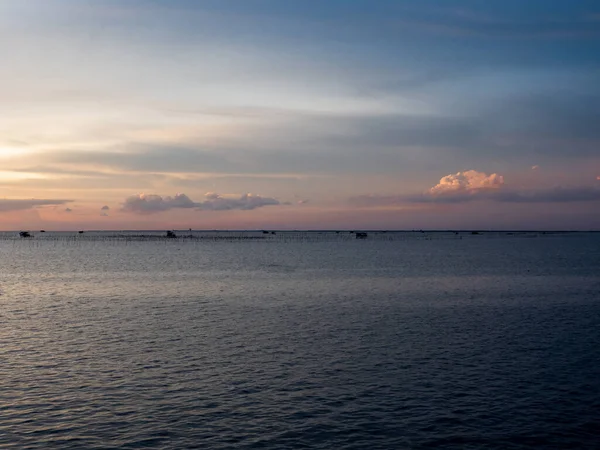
[333, 114]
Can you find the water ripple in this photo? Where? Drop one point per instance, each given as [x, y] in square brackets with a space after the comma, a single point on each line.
[382, 345]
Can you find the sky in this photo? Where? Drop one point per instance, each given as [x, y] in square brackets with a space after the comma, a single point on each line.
[311, 114]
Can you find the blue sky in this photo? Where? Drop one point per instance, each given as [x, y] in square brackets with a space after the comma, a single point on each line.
[308, 105]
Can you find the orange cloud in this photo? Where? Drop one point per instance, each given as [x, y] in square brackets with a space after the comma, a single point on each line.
[468, 181]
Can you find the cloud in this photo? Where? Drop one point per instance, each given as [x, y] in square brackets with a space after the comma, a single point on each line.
[217, 202]
[143, 203]
[536, 167]
[105, 208]
[68, 210]
[471, 185]
[534, 120]
[450, 129]
[151, 158]
[553, 195]
[469, 181]
[453, 188]
[19, 205]
[54, 170]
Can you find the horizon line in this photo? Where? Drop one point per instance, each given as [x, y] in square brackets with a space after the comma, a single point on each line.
[315, 230]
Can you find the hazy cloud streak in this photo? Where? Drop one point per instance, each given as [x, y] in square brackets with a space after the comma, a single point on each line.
[19, 205]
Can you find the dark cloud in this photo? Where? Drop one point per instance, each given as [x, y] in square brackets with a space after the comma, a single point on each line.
[143, 203]
[393, 19]
[561, 125]
[567, 114]
[19, 205]
[105, 208]
[472, 185]
[213, 202]
[68, 210]
[217, 202]
[552, 195]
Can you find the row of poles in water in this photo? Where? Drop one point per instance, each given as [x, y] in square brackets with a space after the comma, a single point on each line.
[233, 236]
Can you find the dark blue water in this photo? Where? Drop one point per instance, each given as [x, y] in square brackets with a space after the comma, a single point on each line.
[474, 343]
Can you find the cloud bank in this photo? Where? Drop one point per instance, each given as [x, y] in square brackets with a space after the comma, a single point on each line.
[553, 195]
[471, 185]
[144, 204]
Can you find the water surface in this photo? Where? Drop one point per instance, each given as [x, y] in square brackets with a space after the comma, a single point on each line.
[481, 342]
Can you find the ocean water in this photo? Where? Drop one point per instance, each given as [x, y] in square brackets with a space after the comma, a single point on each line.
[490, 341]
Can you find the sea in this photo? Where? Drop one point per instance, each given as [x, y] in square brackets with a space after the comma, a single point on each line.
[300, 340]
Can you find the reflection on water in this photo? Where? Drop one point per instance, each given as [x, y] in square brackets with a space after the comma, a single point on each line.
[407, 343]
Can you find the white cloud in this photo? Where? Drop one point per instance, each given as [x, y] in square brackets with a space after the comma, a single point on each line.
[536, 167]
